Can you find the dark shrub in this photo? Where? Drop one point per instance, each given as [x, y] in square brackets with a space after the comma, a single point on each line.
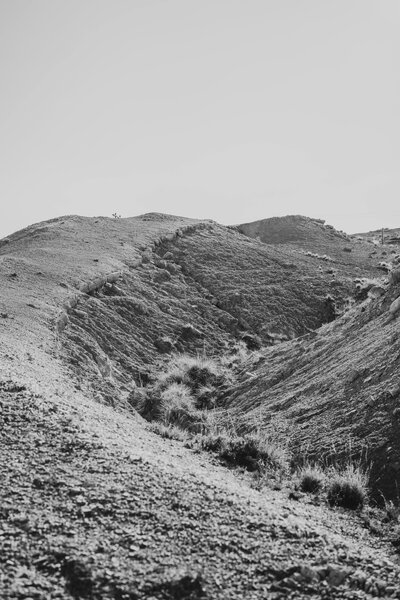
[348, 488]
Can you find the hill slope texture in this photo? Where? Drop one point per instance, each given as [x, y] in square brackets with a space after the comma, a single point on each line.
[94, 504]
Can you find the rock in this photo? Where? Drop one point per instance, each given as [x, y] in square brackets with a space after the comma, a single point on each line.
[81, 313]
[188, 332]
[394, 307]
[395, 277]
[336, 576]
[308, 573]
[294, 495]
[164, 344]
[161, 275]
[253, 342]
[172, 268]
[62, 322]
[376, 291]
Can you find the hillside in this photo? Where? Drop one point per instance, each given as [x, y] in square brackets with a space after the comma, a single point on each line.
[133, 290]
[95, 504]
[349, 253]
[338, 390]
[391, 236]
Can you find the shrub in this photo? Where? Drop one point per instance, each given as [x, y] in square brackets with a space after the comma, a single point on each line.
[210, 442]
[311, 479]
[177, 408]
[169, 432]
[147, 404]
[205, 397]
[348, 488]
[178, 392]
[253, 451]
[201, 376]
[392, 511]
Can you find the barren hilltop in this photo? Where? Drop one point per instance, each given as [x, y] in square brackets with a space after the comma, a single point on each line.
[190, 410]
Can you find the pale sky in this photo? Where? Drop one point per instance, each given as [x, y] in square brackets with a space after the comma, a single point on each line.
[233, 110]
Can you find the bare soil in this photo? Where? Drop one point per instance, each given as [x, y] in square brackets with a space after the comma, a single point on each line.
[92, 503]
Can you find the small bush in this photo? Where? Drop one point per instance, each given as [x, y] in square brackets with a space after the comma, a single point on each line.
[253, 451]
[311, 479]
[392, 511]
[176, 392]
[201, 375]
[177, 408]
[205, 397]
[169, 432]
[211, 442]
[348, 488]
[147, 404]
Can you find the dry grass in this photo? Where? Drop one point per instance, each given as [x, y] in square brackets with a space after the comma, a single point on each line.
[254, 452]
[177, 408]
[311, 478]
[348, 487]
[169, 432]
[203, 377]
[183, 402]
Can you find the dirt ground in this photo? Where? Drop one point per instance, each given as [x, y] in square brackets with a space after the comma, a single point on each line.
[93, 504]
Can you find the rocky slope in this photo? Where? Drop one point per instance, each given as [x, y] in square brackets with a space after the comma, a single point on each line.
[350, 254]
[390, 236]
[338, 388]
[93, 504]
[198, 291]
[112, 297]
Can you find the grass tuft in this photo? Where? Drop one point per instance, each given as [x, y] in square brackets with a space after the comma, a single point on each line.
[253, 451]
[311, 479]
[348, 488]
[177, 408]
[202, 376]
[169, 432]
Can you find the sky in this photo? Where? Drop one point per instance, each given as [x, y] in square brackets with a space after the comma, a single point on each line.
[232, 110]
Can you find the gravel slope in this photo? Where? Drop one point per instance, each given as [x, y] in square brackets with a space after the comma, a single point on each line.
[94, 506]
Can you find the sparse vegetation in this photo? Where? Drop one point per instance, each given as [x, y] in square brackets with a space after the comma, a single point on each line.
[324, 257]
[182, 405]
[201, 377]
[254, 452]
[169, 432]
[348, 487]
[183, 398]
[311, 478]
[177, 408]
[180, 395]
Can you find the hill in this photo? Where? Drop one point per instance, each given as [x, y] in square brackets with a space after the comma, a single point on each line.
[94, 503]
[349, 252]
[387, 235]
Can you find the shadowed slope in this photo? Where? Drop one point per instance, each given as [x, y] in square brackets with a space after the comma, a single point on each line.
[339, 389]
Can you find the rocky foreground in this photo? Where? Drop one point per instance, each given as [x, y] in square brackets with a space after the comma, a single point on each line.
[93, 505]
